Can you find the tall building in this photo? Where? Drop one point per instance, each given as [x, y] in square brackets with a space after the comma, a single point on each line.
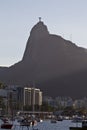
[27, 96]
[22, 96]
[32, 96]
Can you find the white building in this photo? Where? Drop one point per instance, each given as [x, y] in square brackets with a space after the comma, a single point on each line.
[32, 96]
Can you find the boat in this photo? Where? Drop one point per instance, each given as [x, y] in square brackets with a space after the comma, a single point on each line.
[53, 121]
[39, 120]
[77, 119]
[84, 126]
[59, 118]
[6, 123]
[6, 126]
[25, 122]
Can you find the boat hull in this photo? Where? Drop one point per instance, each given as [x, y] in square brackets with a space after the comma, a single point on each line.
[78, 128]
[6, 126]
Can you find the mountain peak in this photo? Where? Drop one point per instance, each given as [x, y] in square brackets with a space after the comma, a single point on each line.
[39, 30]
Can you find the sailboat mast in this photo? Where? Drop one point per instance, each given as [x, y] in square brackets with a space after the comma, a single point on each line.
[33, 101]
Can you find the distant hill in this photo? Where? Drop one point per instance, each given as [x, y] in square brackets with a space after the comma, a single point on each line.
[56, 65]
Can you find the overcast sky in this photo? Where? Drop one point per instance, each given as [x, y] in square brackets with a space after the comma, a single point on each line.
[67, 18]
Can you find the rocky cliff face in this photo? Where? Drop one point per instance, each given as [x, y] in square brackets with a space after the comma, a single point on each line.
[39, 31]
[52, 62]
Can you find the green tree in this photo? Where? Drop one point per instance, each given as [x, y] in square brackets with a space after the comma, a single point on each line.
[2, 85]
[46, 107]
[2, 105]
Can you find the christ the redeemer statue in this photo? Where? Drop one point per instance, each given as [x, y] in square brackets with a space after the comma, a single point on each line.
[39, 19]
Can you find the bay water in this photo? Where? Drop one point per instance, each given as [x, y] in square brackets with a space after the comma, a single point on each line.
[47, 125]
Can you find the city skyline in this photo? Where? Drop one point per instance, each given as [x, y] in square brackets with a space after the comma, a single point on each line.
[65, 18]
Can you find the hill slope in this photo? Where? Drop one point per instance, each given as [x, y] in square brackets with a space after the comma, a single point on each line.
[52, 62]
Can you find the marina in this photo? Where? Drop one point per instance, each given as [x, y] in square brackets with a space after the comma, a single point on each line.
[44, 125]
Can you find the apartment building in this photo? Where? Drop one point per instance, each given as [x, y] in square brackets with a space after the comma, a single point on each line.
[32, 96]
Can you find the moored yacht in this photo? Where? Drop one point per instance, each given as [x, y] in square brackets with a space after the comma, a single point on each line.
[84, 126]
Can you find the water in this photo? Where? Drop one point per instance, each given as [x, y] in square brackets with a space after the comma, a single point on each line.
[60, 125]
[47, 125]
